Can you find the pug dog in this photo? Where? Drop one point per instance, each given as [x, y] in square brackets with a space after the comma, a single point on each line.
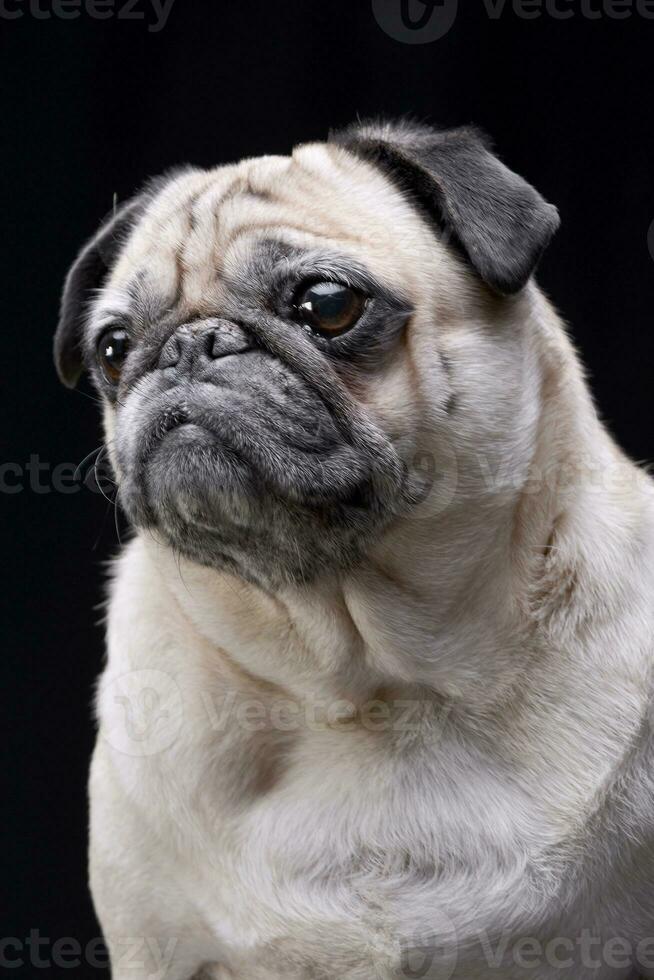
[378, 694]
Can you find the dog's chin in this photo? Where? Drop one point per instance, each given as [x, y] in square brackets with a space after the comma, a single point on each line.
[205, 483]
[210, 503]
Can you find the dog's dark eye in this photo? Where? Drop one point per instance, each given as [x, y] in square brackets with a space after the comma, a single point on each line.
[112, 351]
[330, 307]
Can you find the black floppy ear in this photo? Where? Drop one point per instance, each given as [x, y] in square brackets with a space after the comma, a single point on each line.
[86, 274]
[499, 221]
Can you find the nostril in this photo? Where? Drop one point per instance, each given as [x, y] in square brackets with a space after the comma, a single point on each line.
[216, 345]
[209, 344]
[192, 344]
[170, 354]
[228, 338]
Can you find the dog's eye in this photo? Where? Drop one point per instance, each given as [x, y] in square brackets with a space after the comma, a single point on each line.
[330, 307]
[112, 351]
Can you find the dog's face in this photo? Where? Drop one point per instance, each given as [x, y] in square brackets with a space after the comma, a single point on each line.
[270, 340]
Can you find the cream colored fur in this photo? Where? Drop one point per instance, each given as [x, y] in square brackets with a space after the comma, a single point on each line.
[418, 753]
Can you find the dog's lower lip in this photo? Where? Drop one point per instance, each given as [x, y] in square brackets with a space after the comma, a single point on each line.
[185, 429]
[172, 419]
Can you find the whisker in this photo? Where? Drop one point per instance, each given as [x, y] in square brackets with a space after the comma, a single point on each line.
[91, 398]
[97, 479]
[97, 401]
[92, 456]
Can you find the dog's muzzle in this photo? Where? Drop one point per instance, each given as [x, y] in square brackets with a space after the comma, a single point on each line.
[241, 463]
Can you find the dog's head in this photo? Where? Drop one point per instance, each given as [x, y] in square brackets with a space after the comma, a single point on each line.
[276, 340]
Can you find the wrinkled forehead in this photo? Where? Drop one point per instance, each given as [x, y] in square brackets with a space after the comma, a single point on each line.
[204, 227]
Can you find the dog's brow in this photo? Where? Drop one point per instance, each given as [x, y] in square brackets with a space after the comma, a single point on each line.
[111, 313]
[109, 304]
[275, 260]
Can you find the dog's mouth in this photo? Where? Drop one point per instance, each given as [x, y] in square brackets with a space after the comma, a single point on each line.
[248, 478]
[171, 418]
[184, 441]
[211, 455]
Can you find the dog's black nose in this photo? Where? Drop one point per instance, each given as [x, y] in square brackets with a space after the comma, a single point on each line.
[204, 341]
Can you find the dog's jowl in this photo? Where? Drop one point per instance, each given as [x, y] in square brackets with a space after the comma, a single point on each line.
[378, 692]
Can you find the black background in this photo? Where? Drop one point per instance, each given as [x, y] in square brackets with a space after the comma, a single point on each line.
[90, 109]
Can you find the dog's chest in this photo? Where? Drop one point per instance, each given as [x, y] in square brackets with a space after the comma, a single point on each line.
[284, 836]
[310, 835]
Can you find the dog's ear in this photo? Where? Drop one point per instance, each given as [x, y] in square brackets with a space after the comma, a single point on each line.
[498, 220]
[87, 273]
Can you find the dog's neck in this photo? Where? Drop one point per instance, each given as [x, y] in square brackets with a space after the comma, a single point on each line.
[405, 617]
[453, 603]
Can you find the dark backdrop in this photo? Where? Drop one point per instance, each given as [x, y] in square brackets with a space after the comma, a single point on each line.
[90, 108]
